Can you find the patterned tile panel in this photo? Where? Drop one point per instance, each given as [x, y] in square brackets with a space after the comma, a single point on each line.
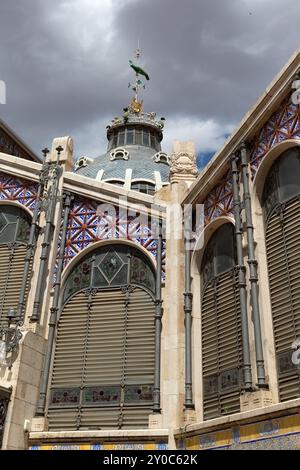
[90, 222]
[283, 124]
[18, 189]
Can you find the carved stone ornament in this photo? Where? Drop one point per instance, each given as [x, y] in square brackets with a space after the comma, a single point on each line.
[183, 160]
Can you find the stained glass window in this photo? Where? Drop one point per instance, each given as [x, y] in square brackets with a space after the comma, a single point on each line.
[219, 254]
[283, 181]
[111, 266]
[14, 225]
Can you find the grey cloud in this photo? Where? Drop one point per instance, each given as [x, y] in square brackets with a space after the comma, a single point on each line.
[207, 59]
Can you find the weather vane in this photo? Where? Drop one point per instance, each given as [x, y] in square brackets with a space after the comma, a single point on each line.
[136, 105]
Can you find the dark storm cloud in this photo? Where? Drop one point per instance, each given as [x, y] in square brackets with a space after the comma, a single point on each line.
[65, 63]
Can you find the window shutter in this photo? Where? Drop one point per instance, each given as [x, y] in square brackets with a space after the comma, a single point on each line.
[283, 253]
[12, 261]
[104, 348]
[221, 346]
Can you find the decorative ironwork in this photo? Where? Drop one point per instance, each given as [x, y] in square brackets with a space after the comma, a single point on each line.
[10, 337]
[4, 401]
[283, 124]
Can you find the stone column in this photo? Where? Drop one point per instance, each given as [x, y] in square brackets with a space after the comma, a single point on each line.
[176, 376]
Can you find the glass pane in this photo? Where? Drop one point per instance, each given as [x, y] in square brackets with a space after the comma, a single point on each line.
[110, 265]
[224, 249]
[138, 137]
[23, 230]
[152, 141]
[8, 234]
[10, 218]
[115, 141]
[208, 265]
[270, 195]
[289, 175]
[129, 137]
[79, 278]
[121, 277]
[146, 137]
[3, 222]
[98, 278]
[141, 273]
[121, 139]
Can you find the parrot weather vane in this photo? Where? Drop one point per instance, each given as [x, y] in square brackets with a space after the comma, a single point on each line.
[136, 105]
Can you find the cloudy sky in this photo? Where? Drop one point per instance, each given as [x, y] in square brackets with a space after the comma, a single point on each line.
[65, 64]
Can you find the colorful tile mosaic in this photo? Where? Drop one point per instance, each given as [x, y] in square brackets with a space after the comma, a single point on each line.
[283, 124]
[219, 200]
[18, 189]
[282, 433]
[90, 222]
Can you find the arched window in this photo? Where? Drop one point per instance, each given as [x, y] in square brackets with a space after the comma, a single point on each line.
[103, 370]
[221, 328]
[143, 187]
[281, 202]
[115, 182]
[14, 235]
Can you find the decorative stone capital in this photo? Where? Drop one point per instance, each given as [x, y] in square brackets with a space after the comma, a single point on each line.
[66, 155]
[183, 161]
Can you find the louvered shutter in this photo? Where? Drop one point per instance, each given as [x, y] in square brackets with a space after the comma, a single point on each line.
[104, 339]
[283, 253]
[12, 260]
[140, 340]
[221, 346]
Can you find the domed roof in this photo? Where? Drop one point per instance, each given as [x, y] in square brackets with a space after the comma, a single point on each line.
[143, 161]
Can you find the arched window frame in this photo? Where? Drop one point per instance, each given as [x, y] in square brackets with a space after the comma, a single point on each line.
[281, 207]
[221, 381]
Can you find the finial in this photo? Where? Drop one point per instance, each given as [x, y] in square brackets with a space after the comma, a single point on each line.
[136, 105]
[45, 152]
[59, 149]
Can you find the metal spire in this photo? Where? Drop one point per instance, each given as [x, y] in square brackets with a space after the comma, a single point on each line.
[136, 105]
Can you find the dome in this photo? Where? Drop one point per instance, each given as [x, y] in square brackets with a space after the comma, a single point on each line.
[143, 162]
[134, 158]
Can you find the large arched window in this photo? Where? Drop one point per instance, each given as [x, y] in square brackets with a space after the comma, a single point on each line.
[103, 370]
[221, 328]
[14, 235]
[281, 202]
